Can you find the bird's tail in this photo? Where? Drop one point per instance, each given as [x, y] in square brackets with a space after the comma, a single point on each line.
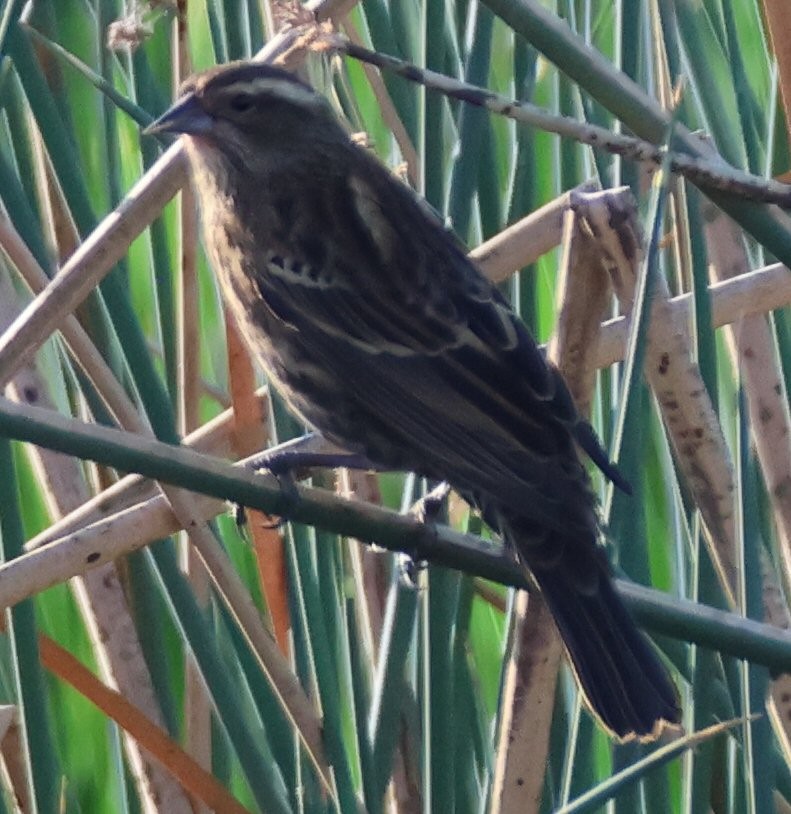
[620, 673]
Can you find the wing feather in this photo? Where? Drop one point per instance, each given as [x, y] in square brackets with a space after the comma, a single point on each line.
[428, 349]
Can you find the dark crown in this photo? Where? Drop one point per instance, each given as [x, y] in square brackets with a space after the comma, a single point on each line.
[251, 79]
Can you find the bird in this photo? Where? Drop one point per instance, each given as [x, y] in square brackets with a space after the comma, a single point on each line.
[383, 337]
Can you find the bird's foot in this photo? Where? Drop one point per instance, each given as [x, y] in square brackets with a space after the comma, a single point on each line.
[293, 461]
[410, 570]
[284, 462]
[289, 494]
[429, 509]
[310, 451]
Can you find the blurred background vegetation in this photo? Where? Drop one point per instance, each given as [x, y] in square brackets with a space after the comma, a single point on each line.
[404, 669]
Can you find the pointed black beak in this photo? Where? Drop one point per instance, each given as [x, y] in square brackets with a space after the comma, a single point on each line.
[186, 116]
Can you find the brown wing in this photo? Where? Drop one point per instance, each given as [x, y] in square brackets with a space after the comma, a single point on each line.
[428, 349]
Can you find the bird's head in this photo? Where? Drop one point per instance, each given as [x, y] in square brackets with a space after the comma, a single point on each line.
[249, 109]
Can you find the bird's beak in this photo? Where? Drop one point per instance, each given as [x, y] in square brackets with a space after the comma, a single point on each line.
[186, 116]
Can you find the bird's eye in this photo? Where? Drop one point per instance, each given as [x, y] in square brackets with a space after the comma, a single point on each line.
[241, 103]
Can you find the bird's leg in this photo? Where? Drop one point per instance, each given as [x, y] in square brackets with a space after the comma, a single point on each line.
[292, 461]
[281, 461]
[429, 509]
[310, 451]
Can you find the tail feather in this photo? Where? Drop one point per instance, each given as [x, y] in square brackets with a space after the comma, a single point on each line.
[620, 673]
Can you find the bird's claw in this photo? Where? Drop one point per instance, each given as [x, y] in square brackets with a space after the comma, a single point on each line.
[281, 467]
[410, 567]
[288, 492]
[288, 487]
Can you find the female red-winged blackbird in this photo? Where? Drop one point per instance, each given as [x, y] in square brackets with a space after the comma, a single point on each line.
[383, 336]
